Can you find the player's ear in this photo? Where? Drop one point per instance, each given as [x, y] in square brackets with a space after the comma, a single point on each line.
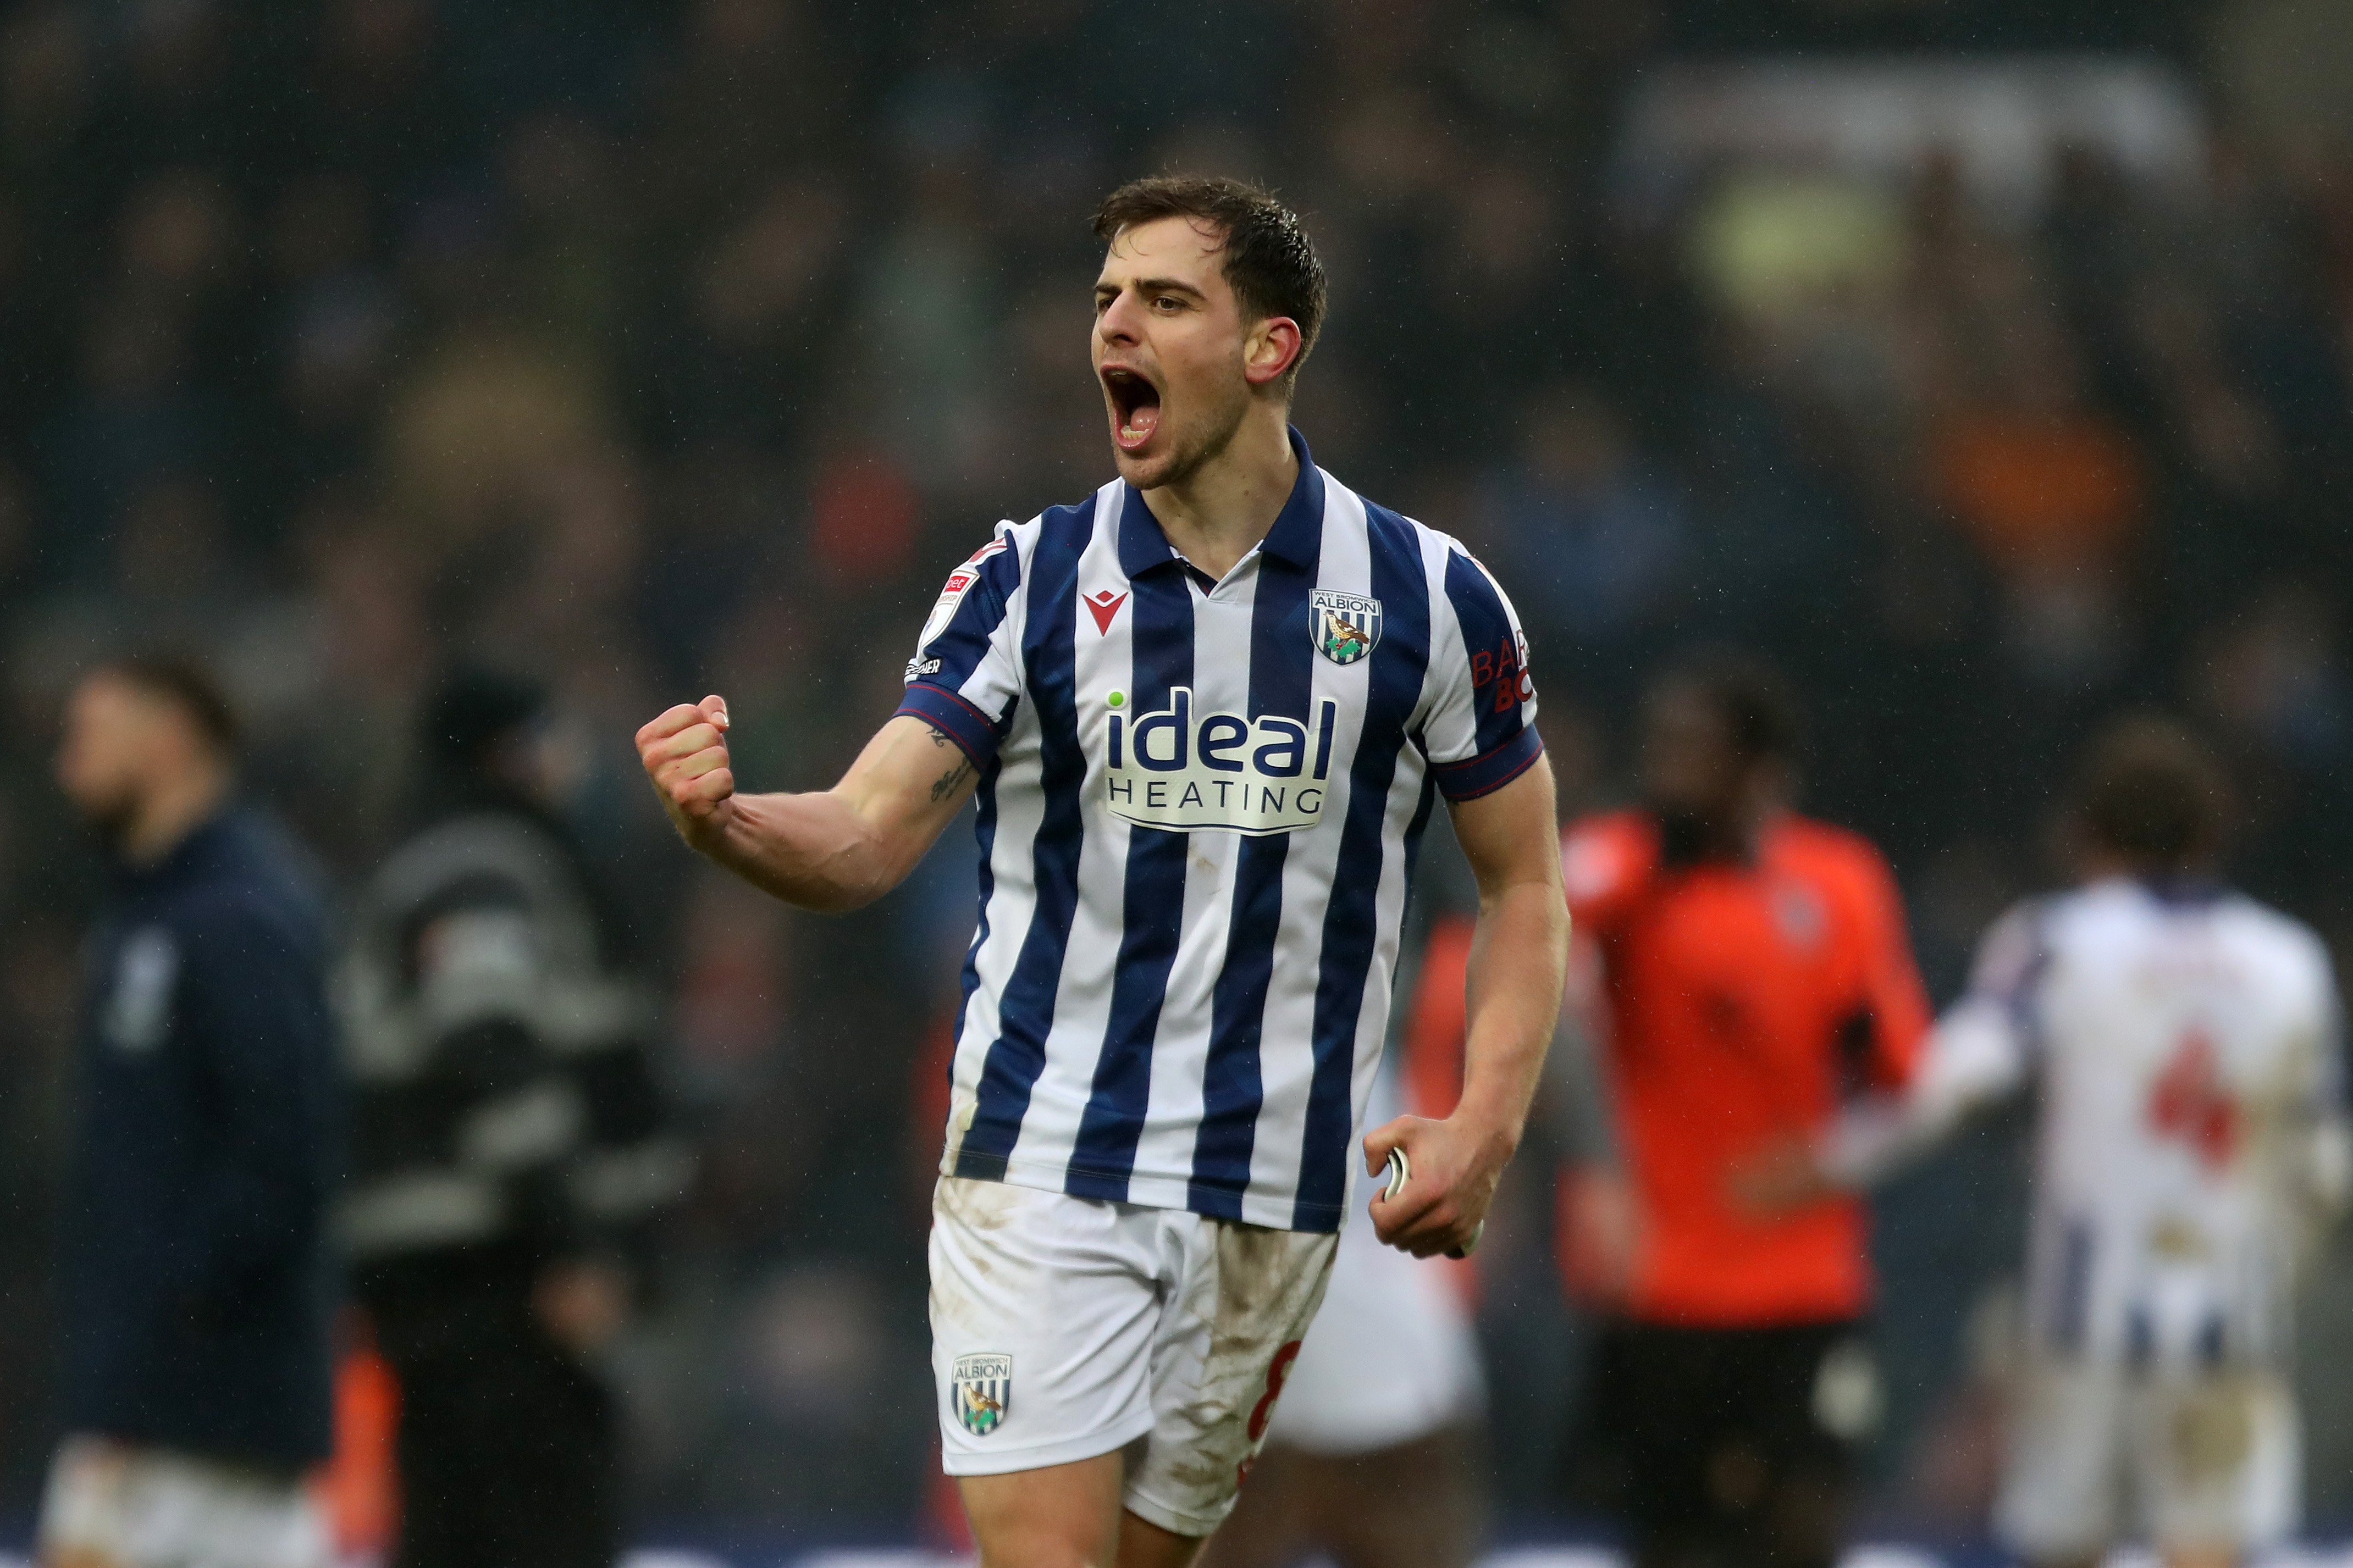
[1274, 348]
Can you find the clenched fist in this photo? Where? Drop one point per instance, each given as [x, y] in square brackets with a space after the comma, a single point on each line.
[685, 754]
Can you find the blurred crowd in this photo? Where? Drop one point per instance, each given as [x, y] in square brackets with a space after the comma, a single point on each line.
[654, 350]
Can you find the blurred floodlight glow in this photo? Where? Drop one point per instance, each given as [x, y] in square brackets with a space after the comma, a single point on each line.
[1999, 120]
[1769, 243]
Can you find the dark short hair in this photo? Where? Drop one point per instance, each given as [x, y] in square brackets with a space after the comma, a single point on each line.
[184, 681]
[1270, 262]
[1760, 718]
[2150, 791]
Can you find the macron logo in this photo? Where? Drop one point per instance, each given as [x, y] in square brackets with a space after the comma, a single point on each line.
[1103, 607]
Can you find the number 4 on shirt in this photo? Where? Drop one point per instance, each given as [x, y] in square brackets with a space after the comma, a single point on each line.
[2190, 1104]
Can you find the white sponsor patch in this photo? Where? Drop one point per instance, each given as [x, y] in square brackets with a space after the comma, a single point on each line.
[1187, 772]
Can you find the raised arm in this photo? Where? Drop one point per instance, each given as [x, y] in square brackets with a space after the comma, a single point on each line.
[1978, 1053]
[833, 849]
[1518, 951]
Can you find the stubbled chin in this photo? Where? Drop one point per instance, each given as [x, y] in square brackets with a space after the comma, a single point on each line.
[1149, 470]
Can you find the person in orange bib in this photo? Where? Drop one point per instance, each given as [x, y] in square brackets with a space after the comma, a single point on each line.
[1748, 973]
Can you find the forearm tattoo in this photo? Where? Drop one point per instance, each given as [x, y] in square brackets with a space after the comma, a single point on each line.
[949, 779]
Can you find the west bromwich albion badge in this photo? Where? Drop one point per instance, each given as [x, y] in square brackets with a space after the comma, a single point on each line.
[1344, 626]
[138, 1011]
[982, 1391]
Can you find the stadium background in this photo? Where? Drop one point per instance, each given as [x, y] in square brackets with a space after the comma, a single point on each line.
[658, 349]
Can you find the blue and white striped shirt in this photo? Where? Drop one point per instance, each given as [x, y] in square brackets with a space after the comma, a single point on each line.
[1198, 808]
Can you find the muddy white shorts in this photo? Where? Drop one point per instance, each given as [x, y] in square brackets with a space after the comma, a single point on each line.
[121, 1507]
[1392, 1357]
[1065, 1328]
[2209, 1459]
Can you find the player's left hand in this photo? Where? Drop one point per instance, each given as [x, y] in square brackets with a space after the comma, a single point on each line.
[583, 1304]
[1454, 1165]
[1779, 1179]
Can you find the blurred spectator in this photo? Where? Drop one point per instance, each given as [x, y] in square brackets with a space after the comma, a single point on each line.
[197, 1280]
[1596, 545]
[508, 1150]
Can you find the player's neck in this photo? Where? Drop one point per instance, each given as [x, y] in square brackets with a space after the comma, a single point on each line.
[1218, 514]
[2093, 865]
[173, 807]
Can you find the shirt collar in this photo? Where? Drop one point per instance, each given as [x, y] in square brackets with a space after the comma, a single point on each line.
[1297, 536]
[2182, 889]
[191, 852]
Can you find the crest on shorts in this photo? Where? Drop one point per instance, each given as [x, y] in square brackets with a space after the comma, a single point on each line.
[1344, 626]
[982, 1391]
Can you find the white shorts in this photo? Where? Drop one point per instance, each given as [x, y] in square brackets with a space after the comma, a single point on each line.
[2191, 1460]
[144, 1508]
[1067, 1328]
[1392, 1357]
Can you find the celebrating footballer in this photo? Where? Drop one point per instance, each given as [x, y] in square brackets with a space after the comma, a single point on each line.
[1205, 713]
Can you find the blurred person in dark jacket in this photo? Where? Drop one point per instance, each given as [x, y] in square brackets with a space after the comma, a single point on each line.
[197, 1285]
[508, 1149]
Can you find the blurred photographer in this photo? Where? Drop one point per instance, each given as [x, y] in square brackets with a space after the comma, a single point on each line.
[509, 1147]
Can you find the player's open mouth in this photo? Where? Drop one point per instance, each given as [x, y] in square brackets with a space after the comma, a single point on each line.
[1137, 404]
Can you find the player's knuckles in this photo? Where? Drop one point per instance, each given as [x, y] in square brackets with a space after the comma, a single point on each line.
[669, 721]
[687, 742]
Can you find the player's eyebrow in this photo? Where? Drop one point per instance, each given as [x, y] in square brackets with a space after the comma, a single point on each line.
[1152, 286]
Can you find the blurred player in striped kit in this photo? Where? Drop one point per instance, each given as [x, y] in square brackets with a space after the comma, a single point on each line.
[2192, 1138]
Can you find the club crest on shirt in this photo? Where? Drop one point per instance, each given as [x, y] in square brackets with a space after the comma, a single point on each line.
[138, 1010]
[1344, 627]
[982, 1391]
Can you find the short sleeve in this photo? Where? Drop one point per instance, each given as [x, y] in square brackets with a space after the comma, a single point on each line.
[1480, 733]
[1605, 863]
[2324, 1028]
[966, 677]
[2011, 960]
[1990, 1037]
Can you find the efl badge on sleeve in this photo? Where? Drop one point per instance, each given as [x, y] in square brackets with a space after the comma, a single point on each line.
[983, 1391]
[1344, 627]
